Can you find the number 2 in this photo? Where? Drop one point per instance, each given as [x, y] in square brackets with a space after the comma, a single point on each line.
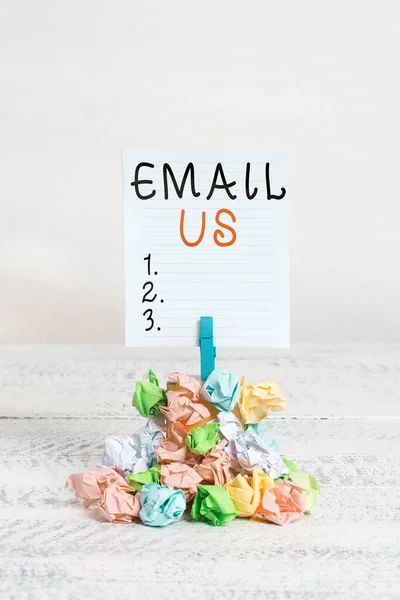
[145, 299]
[149, 312]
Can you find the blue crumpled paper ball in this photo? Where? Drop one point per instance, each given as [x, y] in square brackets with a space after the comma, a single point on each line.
[161, 505]
[221, 389]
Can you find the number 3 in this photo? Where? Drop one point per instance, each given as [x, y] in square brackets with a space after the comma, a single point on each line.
[149, 312]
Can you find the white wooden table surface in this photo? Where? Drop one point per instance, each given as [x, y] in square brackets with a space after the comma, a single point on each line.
[342, 424]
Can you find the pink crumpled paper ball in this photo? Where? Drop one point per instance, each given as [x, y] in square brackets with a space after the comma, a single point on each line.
[119, 504]
[182, 477]
[89, 486]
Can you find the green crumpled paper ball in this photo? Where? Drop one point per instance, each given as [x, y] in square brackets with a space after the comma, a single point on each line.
[149, 396]
[202, 439]
[138, 480]
[213, 505]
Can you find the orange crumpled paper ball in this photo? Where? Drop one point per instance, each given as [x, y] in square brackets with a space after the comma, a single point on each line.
[283, 504]
[246, 491]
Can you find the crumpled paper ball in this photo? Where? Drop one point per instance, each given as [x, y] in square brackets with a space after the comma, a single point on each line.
[148, 396]
[184, 383]
[138, 480]
[251, 453]
[183, 401]
[161, 505]
[174, 448]
[216, 466]
[247, 492]
[221, 389]
[119, 504]
[247, 449]
[90, 486]
[283, 504]
[202, 439]
[181, 408]
[213, 505]
[256, 401]
[304, 480]
[181, 476]
[132, 453]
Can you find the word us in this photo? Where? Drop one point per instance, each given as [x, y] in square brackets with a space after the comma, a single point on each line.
[219, 182]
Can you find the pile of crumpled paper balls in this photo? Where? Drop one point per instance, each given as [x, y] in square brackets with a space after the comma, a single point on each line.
[205, 448]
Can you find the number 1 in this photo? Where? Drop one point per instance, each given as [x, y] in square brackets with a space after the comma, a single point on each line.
[148, 258]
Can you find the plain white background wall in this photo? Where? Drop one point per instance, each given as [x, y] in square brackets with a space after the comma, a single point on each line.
[82, 78]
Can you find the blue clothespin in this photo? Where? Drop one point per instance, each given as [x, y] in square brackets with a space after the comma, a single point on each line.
[207, 348]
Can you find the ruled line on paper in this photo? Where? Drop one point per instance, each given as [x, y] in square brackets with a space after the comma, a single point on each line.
[195, 221]
[204, 246]
[221, 328]
[178, 283]
[200, 207]
[197, 288]
[232, 281]
[160, 232]
[225, 300]
[219, 316]
[232, 337]
[158, 334]
[165, 275]
[226, 315]
[253, 180]
[217, 319]
[243, 234]
[236, 273]
[256, 253]
[189, 261]
[201, 162]
[174, 240]
[155, 216]
[238, 287]
[196, 206]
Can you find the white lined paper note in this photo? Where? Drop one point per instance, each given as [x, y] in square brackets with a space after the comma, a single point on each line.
[243, 286]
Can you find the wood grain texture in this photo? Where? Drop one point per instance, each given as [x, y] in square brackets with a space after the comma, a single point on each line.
[99, 381]
[342, 424]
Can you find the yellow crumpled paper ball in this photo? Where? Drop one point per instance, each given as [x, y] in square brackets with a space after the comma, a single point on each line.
[256, 401]
[246, 492]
